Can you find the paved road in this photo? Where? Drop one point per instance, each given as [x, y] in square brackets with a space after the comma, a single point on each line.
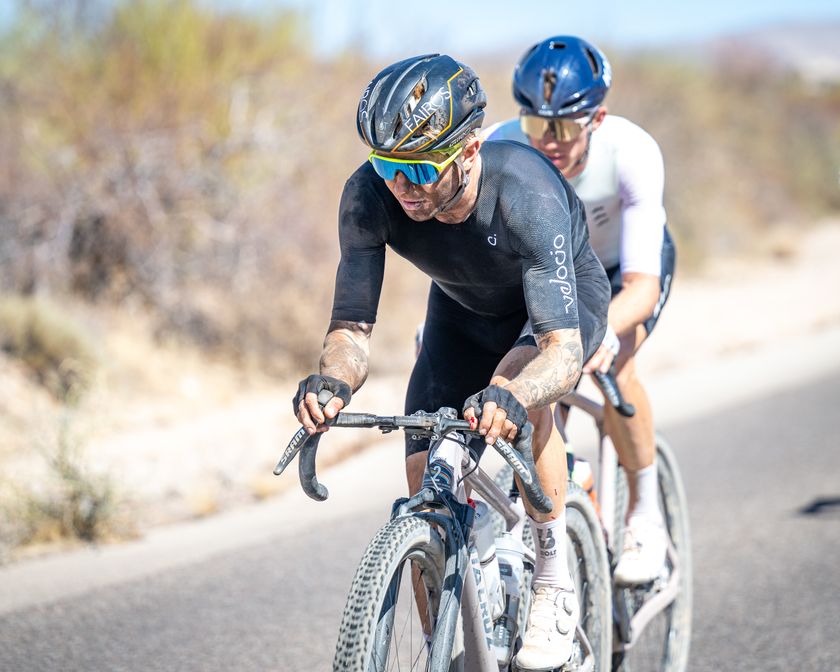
[763, 479]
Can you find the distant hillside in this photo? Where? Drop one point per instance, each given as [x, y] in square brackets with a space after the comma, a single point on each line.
[812, 50]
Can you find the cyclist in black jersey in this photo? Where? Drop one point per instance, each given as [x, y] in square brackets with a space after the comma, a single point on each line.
[518, 300]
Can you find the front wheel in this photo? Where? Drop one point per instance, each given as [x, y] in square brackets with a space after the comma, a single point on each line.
[663, 644]
[393, 600]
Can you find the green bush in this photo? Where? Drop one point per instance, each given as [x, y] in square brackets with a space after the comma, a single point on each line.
[52, 345]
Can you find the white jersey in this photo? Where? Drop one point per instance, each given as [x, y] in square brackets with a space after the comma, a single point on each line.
[621, 188]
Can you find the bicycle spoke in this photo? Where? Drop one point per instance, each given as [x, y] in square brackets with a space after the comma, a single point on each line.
[663, 644]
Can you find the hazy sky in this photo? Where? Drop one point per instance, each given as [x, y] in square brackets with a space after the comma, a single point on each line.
[388, 28]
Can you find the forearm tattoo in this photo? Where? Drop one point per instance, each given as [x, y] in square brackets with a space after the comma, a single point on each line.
[553, 373]
[345, 354]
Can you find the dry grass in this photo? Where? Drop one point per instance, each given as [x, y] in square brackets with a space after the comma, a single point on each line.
[188, 208]
[202, 192]
[68, 502]
[54, 347]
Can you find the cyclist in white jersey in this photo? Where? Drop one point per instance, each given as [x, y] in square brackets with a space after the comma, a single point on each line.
[616, 168]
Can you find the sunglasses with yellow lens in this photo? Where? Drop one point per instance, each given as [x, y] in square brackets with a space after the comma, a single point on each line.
[416, 171]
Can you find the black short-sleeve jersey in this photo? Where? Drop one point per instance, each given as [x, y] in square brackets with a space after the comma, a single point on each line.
[525, 244]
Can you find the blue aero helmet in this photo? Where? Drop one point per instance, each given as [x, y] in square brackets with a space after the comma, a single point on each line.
[561, 76]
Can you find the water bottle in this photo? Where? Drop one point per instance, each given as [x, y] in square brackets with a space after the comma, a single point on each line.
[511, 565]
[486, 548]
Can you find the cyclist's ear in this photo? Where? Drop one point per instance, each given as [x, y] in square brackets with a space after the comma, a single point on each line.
[471, 146]
[599, 116]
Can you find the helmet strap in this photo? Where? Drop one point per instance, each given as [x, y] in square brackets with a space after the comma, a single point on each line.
[585, 154]
[463, 183]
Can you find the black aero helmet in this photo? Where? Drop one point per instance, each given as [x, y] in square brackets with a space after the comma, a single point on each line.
[420, 104]
[561, 76]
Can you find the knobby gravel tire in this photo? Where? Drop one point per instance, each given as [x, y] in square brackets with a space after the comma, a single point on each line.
[369, 637]
[590, 570]
[664, 645]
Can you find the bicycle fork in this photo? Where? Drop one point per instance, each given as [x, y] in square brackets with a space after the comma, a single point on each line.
[463, 601]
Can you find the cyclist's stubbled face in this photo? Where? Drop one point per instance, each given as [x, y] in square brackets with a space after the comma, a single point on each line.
[565, 155]
[419, 201]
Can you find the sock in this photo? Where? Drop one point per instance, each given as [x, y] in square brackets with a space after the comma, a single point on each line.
[643, 488]
[551, 566]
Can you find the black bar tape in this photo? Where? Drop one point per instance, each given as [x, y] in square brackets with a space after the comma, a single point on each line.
[355, 420]
[306, 470]
[609, 386]
[505, 400]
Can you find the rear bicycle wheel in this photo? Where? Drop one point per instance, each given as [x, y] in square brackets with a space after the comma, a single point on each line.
[663, 645]
[590, 570]
[382, 627]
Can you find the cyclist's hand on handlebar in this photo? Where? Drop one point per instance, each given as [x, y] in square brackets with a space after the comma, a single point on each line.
[500, 414]
[309, 411]
[606, 353]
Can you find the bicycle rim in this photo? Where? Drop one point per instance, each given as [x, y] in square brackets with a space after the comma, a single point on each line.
[587, 559]
[664, 643]
[588, 564]
[382, 628]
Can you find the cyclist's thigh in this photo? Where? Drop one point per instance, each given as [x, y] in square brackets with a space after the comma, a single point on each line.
[665, 281]
[459, 354]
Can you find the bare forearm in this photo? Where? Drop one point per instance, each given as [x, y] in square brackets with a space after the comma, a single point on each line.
[635, 303]
[345, 353]
[551, 374]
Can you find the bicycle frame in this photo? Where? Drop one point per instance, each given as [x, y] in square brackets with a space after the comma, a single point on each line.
[632, 628]
[464, 579]
[463, 569]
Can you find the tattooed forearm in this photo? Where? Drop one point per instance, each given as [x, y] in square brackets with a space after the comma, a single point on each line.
[553, 373]
[345, 354]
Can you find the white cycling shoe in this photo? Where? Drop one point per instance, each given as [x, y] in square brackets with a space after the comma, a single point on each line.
[549, 637]
[643, 552]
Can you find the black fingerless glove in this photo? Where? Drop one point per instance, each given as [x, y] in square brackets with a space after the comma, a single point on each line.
[516, 412]
[317, 383]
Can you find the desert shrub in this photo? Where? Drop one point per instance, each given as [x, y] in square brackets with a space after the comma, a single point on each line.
[53, 345]
[68, 502]
[199, 168]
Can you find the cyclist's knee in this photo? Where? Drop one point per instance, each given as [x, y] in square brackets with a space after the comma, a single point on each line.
[543, 421]
[415, 467]
[629, 345]
[626, 373]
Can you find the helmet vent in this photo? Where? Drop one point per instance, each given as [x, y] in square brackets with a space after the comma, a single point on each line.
[557, 45]
[549, 84]
[593, 62]
[416, 95]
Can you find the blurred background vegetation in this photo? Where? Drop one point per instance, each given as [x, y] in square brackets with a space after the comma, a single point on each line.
[190, 162]
[181, 168]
